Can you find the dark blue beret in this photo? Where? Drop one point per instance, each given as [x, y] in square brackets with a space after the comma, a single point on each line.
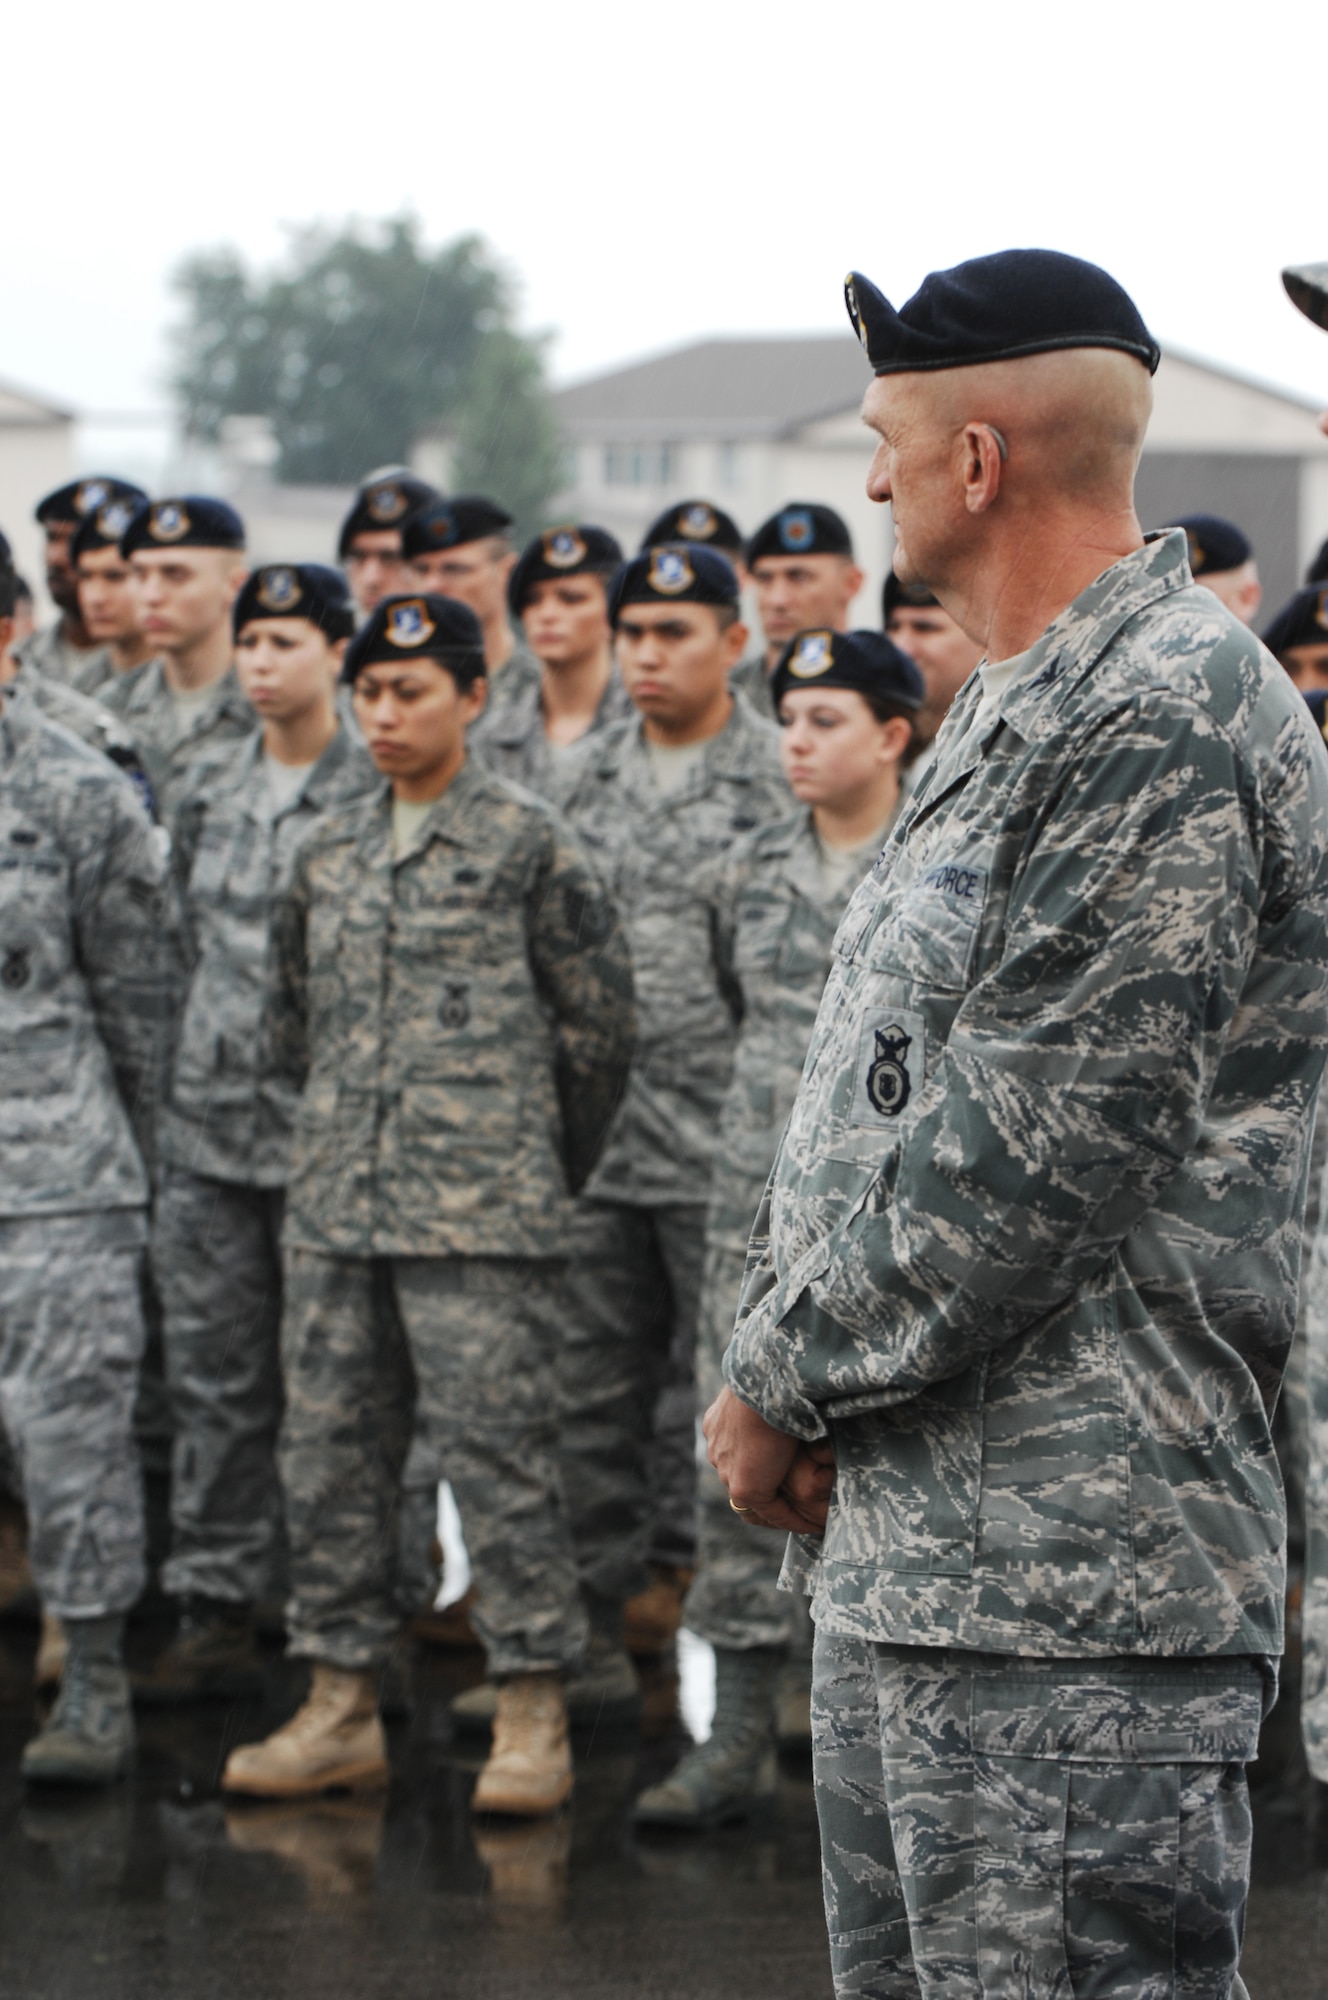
[895, 596]
[448, 524]
[1215, 545]
[82, 497]
[1306, 285]
[424, 627]
[296, 590]
[193, 521]
[383, 500]
[802, 528]
[676, 573]
[695, 521]
[1302, 621]
[573, 551]
[995, 309]
[865, 661]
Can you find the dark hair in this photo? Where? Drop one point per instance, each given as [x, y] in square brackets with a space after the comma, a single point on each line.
[8, 586]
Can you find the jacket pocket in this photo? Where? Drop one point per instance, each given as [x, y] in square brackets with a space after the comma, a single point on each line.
[909, 1483]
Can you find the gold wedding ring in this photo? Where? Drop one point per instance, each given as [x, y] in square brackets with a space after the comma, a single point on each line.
[740, 1510]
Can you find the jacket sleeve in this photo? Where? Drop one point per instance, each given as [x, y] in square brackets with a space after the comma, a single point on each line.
[1072, 1086]
[286, 1027]
[127, 923]
[583, 971]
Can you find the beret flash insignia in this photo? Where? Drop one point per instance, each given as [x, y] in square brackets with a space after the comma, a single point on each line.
[797, 530]
[91, 494]
[888, 1083]
[168, 521]
[441, 529]
[386, 503]
[670, 572]
[814, 654]
[563, 548]
[1321, 610]
[697, 522]
[114, 518]
[409, 624]
[279, 589]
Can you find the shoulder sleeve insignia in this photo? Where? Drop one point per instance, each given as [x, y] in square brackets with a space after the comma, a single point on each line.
[888, 1083]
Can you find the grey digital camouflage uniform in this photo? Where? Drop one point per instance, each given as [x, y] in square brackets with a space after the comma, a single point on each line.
[224, 1140]
[509, 738]
[636, 1268]
[775, 919]
[88, 967]
[461, 1020]
[1314, 1326]
[1029, 1250]
[751, 679]
[91, 722]
[170, 748]
[47, 651]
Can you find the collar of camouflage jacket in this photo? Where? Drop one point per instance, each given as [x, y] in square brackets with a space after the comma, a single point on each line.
[456, 817]
[727, 755]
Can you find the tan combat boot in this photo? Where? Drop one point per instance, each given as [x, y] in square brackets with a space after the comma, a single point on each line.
[334, 1743]
[529, 1772]
[52, 1652]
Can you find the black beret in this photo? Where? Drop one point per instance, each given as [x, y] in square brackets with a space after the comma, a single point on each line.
[695, 521]
[574, 551]
[896, 595]
[84, 496]
[677, 573]
[1215, 545]
[995, 309]
[193, 521]
[296, 590]
[447, 524]
[425, 627]
[1302, 621]
[803, 528]
[865, 661]
[1306, 286]
[383, 500]
[103, 527]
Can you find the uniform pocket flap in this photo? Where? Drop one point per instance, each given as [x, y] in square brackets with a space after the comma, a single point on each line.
[1169, 1717]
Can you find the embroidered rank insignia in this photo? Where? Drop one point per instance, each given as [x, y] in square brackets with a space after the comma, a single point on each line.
[888, 1083]
[814, 654]
[386, 503]
[563, 548]
[91, 494]
[114, 518]
[279, 589]
[409, 624]
[670, 572]
[796, 529]
[697, 522]
[168, 521]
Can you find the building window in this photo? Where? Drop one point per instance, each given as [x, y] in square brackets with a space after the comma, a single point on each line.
[640, 464]
[730, 465]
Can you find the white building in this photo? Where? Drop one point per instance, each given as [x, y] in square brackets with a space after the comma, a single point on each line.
[753, 422]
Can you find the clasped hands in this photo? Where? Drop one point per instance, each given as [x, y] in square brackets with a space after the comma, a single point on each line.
[774, 1480]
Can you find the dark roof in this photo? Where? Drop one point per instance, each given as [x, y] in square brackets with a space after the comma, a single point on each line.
[750, 386]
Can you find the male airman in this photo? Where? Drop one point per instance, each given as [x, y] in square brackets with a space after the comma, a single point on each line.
[65, 650]
[369, 543]
[1222, 560]
[939, 647]
[462, 548]
[107, 600]
[1298, 638]
[802, 567]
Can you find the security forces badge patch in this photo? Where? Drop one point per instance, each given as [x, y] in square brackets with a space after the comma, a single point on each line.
[670, 572]
[888, 1082]
[408, 624]
[891, 1065]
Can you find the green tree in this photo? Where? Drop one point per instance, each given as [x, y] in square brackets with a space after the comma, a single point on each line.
[360, 342]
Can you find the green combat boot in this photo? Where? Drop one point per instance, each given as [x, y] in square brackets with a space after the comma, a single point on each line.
[733, 1773]
[604, 1692]
[211, 1658]
[89, 1738]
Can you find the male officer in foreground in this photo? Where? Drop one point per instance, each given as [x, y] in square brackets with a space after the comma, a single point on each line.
[804, 574]
[1025, 1277]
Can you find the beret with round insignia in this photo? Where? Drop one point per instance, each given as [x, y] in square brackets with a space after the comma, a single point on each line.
[574, 551]
[675, 574]
[82, 497]
[296, 590]
[998, 308]
[695, 521]
[191, 521]
[865, 661]
[1215, 545]
[449, 524]
[802, 528]
[423, 627]
[1302, 621]
[1306, 285]
[104, 527]
[383, 500]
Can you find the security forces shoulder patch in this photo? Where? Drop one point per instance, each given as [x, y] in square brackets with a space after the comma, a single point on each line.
[16, 968]
[408, 624]
[888, 1082]
[454, 1007]
[670, 572]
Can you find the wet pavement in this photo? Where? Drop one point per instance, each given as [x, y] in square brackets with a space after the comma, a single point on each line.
[158, 1890]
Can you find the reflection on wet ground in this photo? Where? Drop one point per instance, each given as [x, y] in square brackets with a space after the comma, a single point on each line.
[160, 1890]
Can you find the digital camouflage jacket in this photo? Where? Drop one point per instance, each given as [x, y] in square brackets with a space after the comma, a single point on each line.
[142, 701]
[1030, 1247]
[461, 1021]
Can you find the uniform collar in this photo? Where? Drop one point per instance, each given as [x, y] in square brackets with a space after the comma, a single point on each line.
[457, 817]
[727, 755]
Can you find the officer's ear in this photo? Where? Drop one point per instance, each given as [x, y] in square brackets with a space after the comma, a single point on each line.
[8, 667]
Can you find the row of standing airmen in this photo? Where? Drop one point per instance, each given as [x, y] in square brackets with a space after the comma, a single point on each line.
[535, 1064]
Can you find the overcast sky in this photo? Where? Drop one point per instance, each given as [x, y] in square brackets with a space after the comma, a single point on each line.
[653, 173]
